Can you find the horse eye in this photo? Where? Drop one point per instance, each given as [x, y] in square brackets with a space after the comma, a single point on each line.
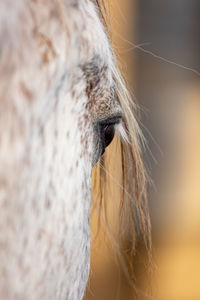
[108, 132]
[105, 130]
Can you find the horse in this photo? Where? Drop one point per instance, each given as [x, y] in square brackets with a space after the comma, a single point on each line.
[62, 98]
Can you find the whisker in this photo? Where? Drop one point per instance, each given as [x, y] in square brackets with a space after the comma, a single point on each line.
[161, 58]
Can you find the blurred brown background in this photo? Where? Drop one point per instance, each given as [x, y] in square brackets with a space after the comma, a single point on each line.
[158, 44]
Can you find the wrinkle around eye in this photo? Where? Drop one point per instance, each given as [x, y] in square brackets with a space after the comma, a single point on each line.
[114, 118]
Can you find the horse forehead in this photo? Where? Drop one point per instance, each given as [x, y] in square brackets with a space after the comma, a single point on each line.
[86, 42]
[94, 40]
[57, 145]
[85, 32]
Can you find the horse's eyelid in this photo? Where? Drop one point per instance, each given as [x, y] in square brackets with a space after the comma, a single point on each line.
[112, 120]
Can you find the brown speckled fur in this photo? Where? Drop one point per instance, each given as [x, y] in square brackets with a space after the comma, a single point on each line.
[49, 99]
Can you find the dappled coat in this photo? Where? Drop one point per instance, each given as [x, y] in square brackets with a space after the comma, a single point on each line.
[59, 101]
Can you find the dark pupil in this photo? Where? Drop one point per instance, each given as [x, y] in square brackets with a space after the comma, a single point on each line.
[109, 132]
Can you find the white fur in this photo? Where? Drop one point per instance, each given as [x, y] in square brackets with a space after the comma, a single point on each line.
[45, 172]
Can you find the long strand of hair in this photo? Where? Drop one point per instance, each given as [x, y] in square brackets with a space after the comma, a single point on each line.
[134, 212]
